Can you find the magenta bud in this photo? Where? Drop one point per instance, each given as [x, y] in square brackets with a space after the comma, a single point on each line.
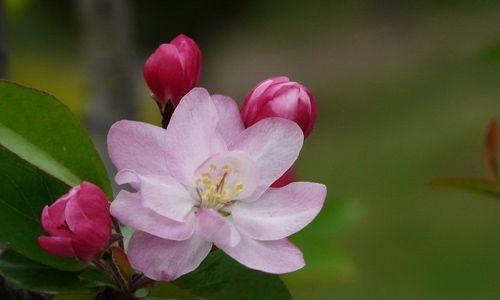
[79, 223]
[289, 177]
[280, 97]
[173, 69]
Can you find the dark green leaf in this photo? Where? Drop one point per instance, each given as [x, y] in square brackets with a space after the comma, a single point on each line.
[10, 291]
[477, 186]
[93, 277]
[41, 130]
[37, 277]
[220, 277]
[75, 297]
[25, 191]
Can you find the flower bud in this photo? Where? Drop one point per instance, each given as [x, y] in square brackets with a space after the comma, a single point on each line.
[289, 177]
[280, 97]
[79, 223]
[173, 69]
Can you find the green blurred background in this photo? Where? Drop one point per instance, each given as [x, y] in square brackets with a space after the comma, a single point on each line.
[404, 89]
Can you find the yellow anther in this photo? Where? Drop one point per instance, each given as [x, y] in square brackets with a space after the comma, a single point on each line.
[214, 190]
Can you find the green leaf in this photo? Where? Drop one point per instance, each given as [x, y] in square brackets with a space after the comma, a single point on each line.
[41, 130]
[220, 277]
[39, 278]
[75, 297]
[25, 191]
[478, 186]
[94, 277]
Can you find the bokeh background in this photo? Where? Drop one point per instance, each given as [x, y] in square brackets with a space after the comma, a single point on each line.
[404, 89]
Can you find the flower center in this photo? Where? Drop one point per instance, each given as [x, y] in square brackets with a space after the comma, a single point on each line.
[217, 187]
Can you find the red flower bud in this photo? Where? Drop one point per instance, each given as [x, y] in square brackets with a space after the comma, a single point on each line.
[173, 69]
[280, 97]
[289, 177]
[79, 223]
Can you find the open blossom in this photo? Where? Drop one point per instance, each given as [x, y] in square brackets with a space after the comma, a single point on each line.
[280, 97]
[173, 69]
[206, 180]
[79, 223]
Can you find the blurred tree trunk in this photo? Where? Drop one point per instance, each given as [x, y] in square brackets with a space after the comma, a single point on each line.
[9, 291]
[107, 32]
[4, 65]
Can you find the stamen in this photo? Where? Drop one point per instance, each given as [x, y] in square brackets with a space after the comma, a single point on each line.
[214, 191]
[220, 187]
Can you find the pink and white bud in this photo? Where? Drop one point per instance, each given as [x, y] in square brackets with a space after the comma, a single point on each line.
[280, 97]
[79, 223]
[173, 69]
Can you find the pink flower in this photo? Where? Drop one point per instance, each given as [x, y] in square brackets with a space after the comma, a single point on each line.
[205, 180]
[173, 69]
[79, 223]
[280, 97]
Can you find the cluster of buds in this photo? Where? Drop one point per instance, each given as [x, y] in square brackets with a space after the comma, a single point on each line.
[175, 68]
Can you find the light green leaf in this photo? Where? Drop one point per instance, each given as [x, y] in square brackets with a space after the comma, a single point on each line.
[41, 130]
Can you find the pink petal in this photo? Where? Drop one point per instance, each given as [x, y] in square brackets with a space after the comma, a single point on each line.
[230, 123]
[87, 248]
[275, 257]
[279, 212]
[60, 246]
[190, 58]
[125, 176]
[164, 74]
[251, 106]
[90, 204]
[87, 214]
[215, 228]
[166, 197]
[191, 135]
[55, 212]
[274, 144]
[166, 260]
[51, 227]
[138, 146]
[162, 194]
[127, 208]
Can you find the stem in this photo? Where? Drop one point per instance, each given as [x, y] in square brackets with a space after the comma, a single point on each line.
[167, 111]
[104, 267]
[142, 281]
[118, 230]
[107, 264]
[117, 275]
